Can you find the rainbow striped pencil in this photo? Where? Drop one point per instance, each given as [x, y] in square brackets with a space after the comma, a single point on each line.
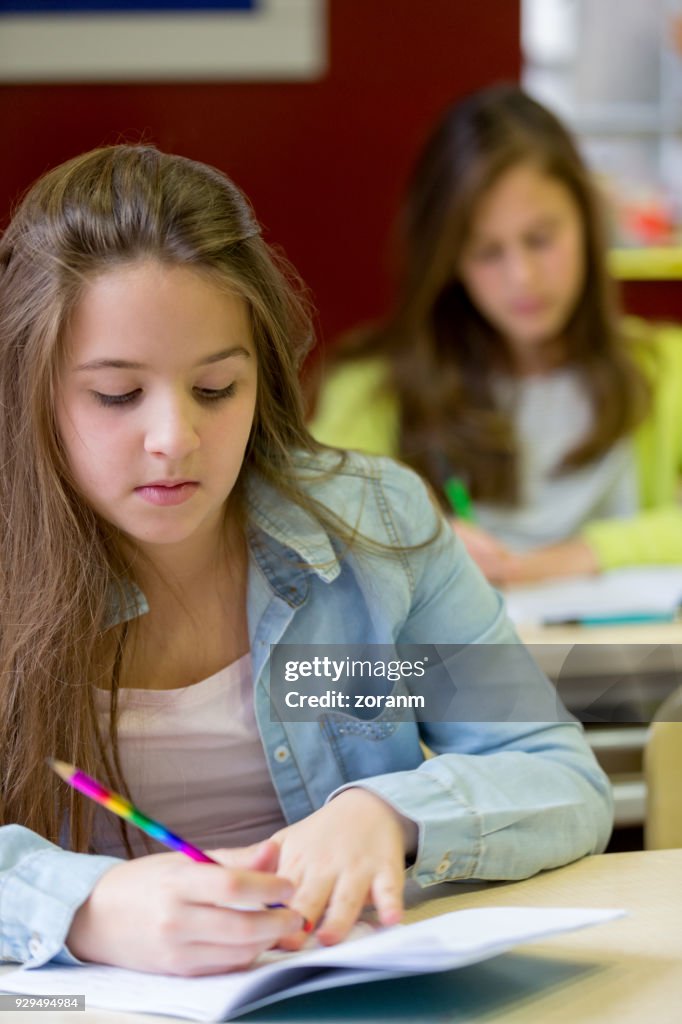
[129, 812]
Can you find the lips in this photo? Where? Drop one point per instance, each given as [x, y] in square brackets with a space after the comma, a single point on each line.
[167, 492]
[168, 483]
[528, 307]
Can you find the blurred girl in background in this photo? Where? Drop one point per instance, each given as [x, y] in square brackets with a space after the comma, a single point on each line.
[505, 367]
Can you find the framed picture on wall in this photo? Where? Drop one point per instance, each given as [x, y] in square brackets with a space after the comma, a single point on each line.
[162, 40]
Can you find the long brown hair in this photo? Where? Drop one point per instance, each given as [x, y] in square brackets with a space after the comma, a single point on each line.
[440, 350]
[61, 565]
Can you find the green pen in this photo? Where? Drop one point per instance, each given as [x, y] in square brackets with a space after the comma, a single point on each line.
[459, 498]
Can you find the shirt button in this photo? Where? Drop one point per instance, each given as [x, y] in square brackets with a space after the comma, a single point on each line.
[35, 945]
[282, 754]
[443, 866]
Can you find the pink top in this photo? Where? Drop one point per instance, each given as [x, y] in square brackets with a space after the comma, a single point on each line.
[194, 761]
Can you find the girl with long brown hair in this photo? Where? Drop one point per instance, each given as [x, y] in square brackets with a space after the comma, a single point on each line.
[167, 521]
[505, 362]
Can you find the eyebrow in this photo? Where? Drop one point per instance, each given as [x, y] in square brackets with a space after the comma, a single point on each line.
[125, 364]
[545, 220]
[542, 221]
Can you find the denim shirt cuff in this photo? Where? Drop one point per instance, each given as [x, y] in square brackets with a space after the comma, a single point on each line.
[38, 900]
[450, 840]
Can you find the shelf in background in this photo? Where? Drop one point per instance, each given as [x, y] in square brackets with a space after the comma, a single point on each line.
[647, 264]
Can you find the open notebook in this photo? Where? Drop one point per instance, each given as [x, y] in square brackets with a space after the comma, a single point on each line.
[436, 944]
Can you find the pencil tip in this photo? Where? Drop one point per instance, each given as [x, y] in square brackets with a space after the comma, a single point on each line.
[64, 770]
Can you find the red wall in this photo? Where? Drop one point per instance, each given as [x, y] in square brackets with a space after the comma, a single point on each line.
[659, 300]
[323, 162]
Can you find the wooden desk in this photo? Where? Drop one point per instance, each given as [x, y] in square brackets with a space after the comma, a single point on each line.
[628, 971]
[623, 972]
[638, 633]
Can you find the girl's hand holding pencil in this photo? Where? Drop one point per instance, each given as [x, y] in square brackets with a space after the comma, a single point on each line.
[167, 914]
[180, 913]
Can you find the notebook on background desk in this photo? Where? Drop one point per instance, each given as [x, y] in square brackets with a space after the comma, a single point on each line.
[647, 593]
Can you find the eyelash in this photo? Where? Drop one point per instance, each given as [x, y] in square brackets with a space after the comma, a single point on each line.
[207, 395]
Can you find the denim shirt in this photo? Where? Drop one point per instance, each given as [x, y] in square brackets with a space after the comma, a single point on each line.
[501, 800]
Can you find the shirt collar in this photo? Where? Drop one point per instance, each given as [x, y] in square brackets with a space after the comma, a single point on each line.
[293, 527]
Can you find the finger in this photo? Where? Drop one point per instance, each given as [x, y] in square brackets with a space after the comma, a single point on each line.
[345, 907]
[313, 894]
[387, 895]
[200, 958]
[310, 900]
[265, 857]
[231, 887]
[257, 857]
[509, 571]
[225, 926]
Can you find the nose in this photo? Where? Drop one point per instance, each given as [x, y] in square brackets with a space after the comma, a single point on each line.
[521, 266]
[172, 428]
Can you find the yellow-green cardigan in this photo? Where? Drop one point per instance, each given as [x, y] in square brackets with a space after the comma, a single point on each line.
[355, 410]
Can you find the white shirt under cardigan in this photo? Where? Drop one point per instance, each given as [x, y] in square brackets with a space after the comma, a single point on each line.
[551, 414]
[195, 763]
